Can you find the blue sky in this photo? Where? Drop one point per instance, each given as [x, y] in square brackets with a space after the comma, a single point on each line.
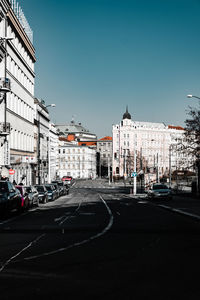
[94, 57]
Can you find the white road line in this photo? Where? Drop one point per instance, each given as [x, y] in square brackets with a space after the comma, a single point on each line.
[182, 212]
[24, 249]
[68, 217]
[110, 223]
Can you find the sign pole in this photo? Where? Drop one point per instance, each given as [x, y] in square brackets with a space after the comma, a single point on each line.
[134, 178]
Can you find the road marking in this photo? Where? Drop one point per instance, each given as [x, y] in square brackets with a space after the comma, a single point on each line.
[110, 223]
[180, 211]
[18, 253]
[71, 216]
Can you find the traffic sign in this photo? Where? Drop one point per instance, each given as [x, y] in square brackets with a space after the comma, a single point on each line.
[134, 174]
[11, 172]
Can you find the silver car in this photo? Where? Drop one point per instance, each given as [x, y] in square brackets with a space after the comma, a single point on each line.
[160, 191]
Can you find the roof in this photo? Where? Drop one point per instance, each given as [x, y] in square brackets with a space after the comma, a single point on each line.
[85, 143]
[126, 115]
[175, 127]
[149, 124]
[106, 138]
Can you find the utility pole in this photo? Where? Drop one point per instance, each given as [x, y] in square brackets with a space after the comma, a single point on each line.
[157, 171]
[170, 166]
[135, 170]
[108, 170]
[38, 157]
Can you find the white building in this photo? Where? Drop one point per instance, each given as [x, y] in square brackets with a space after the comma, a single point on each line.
[104, 155]
[76, 161]
[81, 134]
[151, 145]
[17, 58]
[53, 152]
[42, 141]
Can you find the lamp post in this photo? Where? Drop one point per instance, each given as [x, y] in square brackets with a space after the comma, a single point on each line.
[38, 158]
[192, 96]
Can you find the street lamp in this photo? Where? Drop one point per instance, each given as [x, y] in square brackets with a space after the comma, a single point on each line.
[192, 96]
[38, 159]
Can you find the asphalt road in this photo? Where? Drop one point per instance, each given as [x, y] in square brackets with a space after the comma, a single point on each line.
[99, 242]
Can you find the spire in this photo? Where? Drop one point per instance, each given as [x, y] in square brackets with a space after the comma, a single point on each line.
[126, 115]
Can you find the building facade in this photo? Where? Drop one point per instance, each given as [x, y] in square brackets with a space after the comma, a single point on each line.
[104, 155]
[80, 133]
[76, 161]
[17, 107]
[53, 152]
[147, 148]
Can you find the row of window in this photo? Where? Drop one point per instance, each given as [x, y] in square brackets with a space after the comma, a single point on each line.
[21, 141]
[16, 71]
[72, 166]
[105, 144]
[63, 151]
[18, 106]
[72, 158]
[20, 48]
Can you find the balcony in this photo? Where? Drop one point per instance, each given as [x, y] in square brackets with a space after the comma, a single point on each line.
[5, 85]
[4, 128]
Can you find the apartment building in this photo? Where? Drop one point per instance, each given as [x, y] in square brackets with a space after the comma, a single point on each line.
[76, 161]
[148, 145]
[17, 59]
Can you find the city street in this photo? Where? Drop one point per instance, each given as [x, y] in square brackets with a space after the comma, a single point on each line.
[101, 243]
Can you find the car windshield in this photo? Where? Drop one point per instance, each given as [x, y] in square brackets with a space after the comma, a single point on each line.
[160, 187]
[40, 188]
[28, 189]
[49, 188]
[3, 187]
[20, 189]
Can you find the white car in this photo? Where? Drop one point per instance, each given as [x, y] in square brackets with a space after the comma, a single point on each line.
[160, 191]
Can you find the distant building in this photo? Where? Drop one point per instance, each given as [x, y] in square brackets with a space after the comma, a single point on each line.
[76, 161]
[79, 133]
[155, 145]
[53, 152]
[104, 155]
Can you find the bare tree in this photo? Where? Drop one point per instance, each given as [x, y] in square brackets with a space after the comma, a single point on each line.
[192, 134]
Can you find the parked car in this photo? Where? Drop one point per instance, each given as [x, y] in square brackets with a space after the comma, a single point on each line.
[67, 179]
[25, 201]
[160, 191]
[10, 197]
[33, 195]
[64, 189]
[42, 193]
[56, 189]
[51, 191]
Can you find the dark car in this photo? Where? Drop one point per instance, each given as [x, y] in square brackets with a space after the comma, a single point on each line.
[25, 202]
[10, 198]
[63, 189]
[33, 195]
[51, 191]
[42, 193]
[57, 189]
[160, 191]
